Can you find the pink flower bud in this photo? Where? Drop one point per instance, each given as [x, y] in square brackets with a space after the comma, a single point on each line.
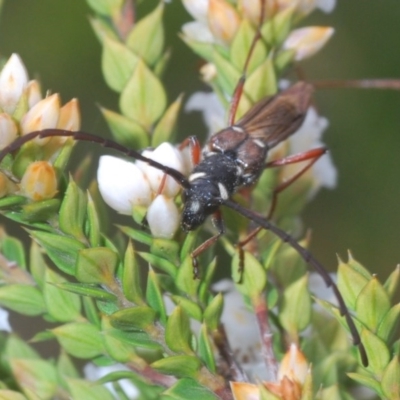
[305, 42]
[163, 217]
[223, 20]
[8, 130]
[122, 184]
[43, 115]
[13, 79]
[39, 181]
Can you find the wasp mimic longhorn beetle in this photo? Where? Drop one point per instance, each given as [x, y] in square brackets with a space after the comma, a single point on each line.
[231, 159]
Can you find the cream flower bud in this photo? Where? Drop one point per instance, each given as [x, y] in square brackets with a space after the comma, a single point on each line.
[168, 155]
[43, 115]
[70, 116]
[13, 79]
[293, 365]
[34, 93]
[39, 181]
[122, 184]
[163, 217]
[305, 42]
[198, 32]
[223, 20]
[8, 130]
[197, 9]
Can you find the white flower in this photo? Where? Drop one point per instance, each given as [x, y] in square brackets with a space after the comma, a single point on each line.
[305, 42]
[163, 217]
[8, 130]
[94, 373]
[168, 155]
[122, 184]
[197, 31]
[308, 137]
[13, 79]
[197, 9]
[211, 107]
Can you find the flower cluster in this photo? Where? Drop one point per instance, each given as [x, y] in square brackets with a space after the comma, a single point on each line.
[141, 190]
[23, 110]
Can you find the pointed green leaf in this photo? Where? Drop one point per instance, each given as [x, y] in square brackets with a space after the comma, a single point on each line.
[180, 366]
[131, 281]
[296, 309]
[143, 98]
[40, 211]
[162, 62]
[227, 75]
[38, 376]
[81, 389]
[118, 62]
[372, 304]
[11, 201]
[204, 290]
[154, 296]
[13, 250]
[185, 280]
[102, 29]
[89, 290]
[17, 348]
[24, 299]
[390, 323]
[106, 7]
[391, 380]
[202, 49]
[62, 306]
[73, 212]
[366, 381]
[178, 334]
[159, 262]
[126, 131]
[188, 388]
[91, 311]
[213, 312]
[166, 128]
[6, 394]
[93, 223]
[377, 350]
[80, 339]
[147, 37]
[37, 264]
[63, 251]
[192, 309]
[392, 283]
[133, 318]
[165, 248]
[206, 351]
[66, 367]
[96, 265]
[275, 30]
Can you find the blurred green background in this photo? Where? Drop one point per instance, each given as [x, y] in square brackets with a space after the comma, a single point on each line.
[58, 47]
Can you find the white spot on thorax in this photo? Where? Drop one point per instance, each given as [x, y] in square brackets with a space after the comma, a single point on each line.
[222, 191]
[259, 143]
[237, 128]
[196, 175]
[194, 206]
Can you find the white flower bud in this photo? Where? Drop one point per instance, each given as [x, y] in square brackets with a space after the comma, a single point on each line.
[70, 116]
[13, 79]
[307, 41]
[8, 130]
[223, 21]
[198, 32]
[122, 184]
[163, 217]
[197, 9]
[168, 155]
[43, 115]
[34, 93]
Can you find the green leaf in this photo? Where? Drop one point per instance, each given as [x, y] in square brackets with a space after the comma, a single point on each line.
[66, 367]
[165, 129]
[63, 306]
[136, 235]
[106, 7]
[80, 339]
[254, 278]
[93, 223]
[185, 280]
[192, 309]
[118, 62]
[81, 389]
[73, 212]
[180, 366]
[136, 339]
[154, 296]
[37, 264]
[276, 29]
[390, 323]
[227, 74]
[63, 251]
[147, 37]
[24, 299]
[89, 290]
[165, 248]
[178, 334]
[392, 283]
[17, 348]
[13, 250]
[131, 281]
[11, 395]
[213, 312]
[296, 309]
[206, 351]
[372, 304]
[188, 388]
[204, 290]
[102, 29]
[125, 130]
[202, 49]
[11, 201]
[143, 99]
[159, 262]
[133, 318]
[37, 376]
[366, 381]
[96, 265]
[40, 211]
[391, 380]
[377, 350]
[240, 47]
